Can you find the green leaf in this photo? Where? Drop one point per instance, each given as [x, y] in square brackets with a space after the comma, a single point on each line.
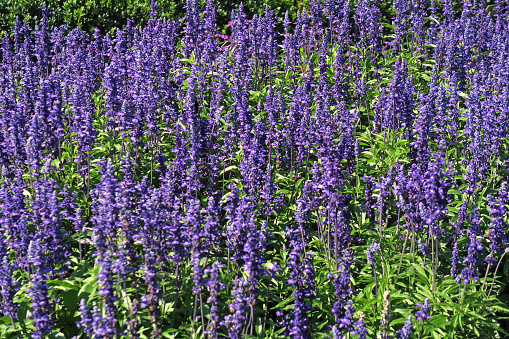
[284, 302]
[63, 285]
[5, 320]
[439, 321]
[89, 287]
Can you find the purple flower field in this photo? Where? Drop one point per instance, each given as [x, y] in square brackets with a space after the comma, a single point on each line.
[334, 176]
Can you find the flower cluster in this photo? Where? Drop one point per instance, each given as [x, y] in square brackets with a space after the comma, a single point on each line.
[276, 176]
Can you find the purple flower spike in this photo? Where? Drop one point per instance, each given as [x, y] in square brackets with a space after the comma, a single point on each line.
[372, 253]
[406, 331]
[424, 313]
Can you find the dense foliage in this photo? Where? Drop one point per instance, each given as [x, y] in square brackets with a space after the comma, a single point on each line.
[327, 181]
[109, 15]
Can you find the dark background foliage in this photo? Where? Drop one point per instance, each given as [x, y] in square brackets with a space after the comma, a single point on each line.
[110, 14]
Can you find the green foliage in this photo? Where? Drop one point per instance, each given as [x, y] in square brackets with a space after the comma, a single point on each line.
[108, 15]
[459, 310]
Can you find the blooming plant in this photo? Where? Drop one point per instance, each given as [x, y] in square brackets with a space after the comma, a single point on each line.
[333, 177]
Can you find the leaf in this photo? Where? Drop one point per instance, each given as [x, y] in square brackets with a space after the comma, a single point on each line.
[89, 287]
[438, 334]
[433, 19]
[439, 321]
[5, 320]
[63, 285]
[284, 302]
[229, 168]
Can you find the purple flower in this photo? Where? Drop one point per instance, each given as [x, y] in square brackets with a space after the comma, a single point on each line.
[235, 322]
[42, 305]
[342, 288]
[303, 278]
[371, 252]
[209, 41]
[370, 199]
[360, 327]
[106, 290]
[425, 309]
[347, 322]
[401, 21]
[472, 260]
[105, 208]
[423, 247]
[253, 259]
[455, 260]
[193, 28]
[47, 218]
[336, 333]
[86, 318]
[406, 331]
[215, 286]
[8, 286]
[14, 218]
[368, 28]
[497, 226]
[395, 105]
[134, 324]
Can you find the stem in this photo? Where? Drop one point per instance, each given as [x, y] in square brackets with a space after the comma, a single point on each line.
[495, 275]
[357, 178]
[328, 236]
[383, 146]
[463, 293]
[201, 311]
[336, 242]
[178, 291]
[193, 334]
[79, 244]
[151, 164]
[380, 223]
[88, 170]
[128, 302]
[402, 252]
[412, 246]
[399, 216]
[435, 269]
[265, 311]
[376, 282]
[320, 230]
[252, 321]
[422, 330]
[433, 258]
[367, 111]
[224, 166]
